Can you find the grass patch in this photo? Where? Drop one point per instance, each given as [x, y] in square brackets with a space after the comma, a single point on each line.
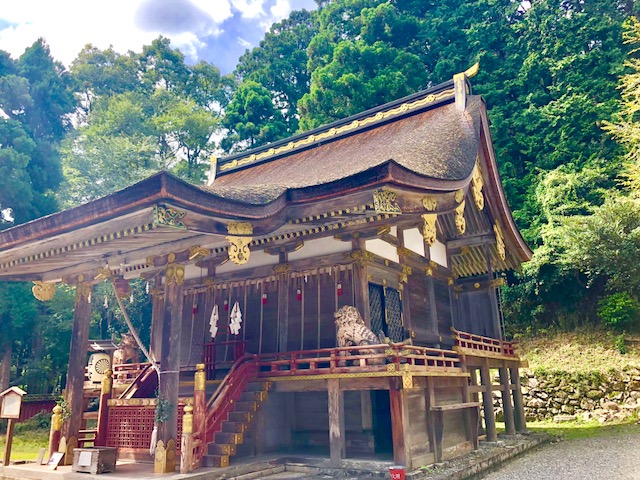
[585, 351]
[26, 444]
[580, 429]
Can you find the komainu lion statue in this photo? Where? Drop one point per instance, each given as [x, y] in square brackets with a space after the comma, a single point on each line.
[351, 328]
[127, 350]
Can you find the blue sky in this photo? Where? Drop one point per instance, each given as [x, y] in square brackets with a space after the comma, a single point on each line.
[217, 31]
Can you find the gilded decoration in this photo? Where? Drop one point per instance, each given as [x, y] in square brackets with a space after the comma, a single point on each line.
[164, 216]
[429, 232]
[477, 183]
[405, 107]
[187, 420]
[403, 251]
[174, 272]
[407, 380]
[384, 201]
[102, 274]
[197, 251]
[43, 291]
[497, 282]
[239, 245]
[461, 223]
[404, 276]
[83, 291]
[360, 257]
[459, 195]
[499, 241]
[429, 203]
[199, 378]
[239, 249]
[282, 269]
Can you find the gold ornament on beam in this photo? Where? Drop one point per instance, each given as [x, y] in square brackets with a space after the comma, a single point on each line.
[198, 251]
[174, 273]
[164, 216]
[43, 291]
[384, 202]
[476, 187]
[429, 203]
[461, 223]
[499, 241]
[429, 232]
[238, 245]
[459, 195]
[83, 290]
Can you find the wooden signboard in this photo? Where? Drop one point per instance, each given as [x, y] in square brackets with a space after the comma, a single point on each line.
[10, 403]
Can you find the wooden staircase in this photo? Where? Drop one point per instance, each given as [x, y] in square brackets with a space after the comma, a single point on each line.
[236, 426]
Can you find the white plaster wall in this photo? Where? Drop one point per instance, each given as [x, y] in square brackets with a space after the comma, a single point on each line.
[256, 259]
[414, 241]
[320, 247]
[383, 249]
[439, 253]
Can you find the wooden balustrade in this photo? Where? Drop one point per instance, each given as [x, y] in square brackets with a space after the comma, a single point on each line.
[234, 349]
[128, 372]
[478, 345]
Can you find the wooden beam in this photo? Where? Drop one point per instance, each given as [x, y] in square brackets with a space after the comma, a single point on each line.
[361, 285]
[479, 238]
[337, 443]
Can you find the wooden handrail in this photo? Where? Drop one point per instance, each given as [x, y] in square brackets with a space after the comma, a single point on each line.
[481, 344]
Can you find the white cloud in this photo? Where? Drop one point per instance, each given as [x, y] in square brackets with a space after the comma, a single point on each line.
[280, 10]
[250, 9]
[244, 43]
[218, 10]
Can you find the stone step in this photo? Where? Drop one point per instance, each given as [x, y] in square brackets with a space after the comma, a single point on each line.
[230, 438]
[218, 461]
[234, 427]
[259, 396]
[246, 406]
[242, 417]
[221, 449]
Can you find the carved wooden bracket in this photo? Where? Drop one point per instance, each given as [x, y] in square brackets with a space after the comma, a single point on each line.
[43, 291]
[239, 245]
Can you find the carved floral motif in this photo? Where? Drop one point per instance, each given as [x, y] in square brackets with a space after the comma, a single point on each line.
[384, 201]
[429, 232]
[43, 291]
[461, 223]
[168, 217]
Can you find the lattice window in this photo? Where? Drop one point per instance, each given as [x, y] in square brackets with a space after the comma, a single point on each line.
[376, 309]
[393, 307]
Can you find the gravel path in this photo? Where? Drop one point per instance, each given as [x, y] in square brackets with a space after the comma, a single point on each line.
[603, 457]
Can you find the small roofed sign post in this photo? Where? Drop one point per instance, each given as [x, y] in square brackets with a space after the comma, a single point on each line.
[11, 401]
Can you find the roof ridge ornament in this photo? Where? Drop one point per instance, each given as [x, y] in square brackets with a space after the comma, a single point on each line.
[461, 86]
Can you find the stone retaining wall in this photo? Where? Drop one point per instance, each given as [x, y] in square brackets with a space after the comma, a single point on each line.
[566, 396]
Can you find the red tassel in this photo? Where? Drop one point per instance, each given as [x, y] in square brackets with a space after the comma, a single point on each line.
[195, 308]
[339, 289]
[226, 305]
[264, 298]
[299, 294]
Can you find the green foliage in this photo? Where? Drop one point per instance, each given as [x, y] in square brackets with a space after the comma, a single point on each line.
[619, 311]
[621, 344]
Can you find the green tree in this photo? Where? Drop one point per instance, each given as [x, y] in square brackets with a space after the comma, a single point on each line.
[251, 118]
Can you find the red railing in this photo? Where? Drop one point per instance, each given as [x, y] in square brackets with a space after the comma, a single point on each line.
[227, 393]
[483, 346]
[128, 372]
[211, 350]
[362, 359]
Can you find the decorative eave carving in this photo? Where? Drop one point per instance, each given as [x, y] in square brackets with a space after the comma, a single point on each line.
[499, 241]
[43, 291]
[239, 252]
[429, 232]
[198, 252]
[477, 183]
[168, 217]
[429, 203]
[384, 201]
[282, 269]
[461, 223]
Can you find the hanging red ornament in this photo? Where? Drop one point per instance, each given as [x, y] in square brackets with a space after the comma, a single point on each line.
[339, 289]
[264, 298]
[226, 305]
[299, 294]
[195, 308]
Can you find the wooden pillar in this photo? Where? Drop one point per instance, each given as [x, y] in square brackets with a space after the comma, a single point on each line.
[518, 401]
[431, 293]
[157, 311]
[103, 410]
[434, 446]
[337, 443]
[400, 433]
[283, 304]
[199, 401]
[76, 369]
[361, 283]
[56, 426]
[495, 311]
[165, 457]
[487, 403]
[507, 406]
[366, 411]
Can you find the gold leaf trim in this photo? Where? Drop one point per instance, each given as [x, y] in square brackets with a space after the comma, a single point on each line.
[168, 217]
[461, 223]
[384, 201]
[405, 107]
[43, 291]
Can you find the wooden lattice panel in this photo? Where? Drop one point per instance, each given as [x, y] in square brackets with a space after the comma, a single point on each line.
[131, 427]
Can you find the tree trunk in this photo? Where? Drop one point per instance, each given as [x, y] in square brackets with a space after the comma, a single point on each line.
[6, 349]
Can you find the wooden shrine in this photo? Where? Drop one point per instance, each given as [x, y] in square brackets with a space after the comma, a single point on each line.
[397, 211]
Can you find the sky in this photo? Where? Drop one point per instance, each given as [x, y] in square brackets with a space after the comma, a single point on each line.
[218, 31]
